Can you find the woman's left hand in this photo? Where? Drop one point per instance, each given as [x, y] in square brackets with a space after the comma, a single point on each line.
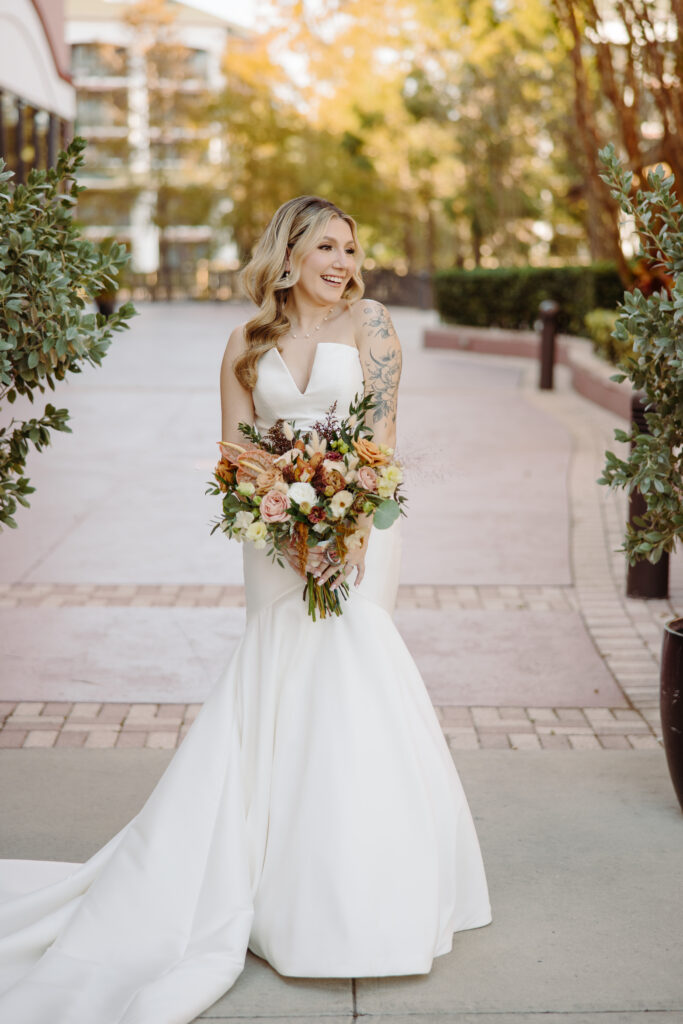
[355, 559]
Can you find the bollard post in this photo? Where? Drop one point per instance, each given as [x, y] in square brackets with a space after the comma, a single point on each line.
[644, 579]
[548, 312]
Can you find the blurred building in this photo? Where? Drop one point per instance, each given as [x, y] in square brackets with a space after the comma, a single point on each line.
[37, 98]
[145, 83]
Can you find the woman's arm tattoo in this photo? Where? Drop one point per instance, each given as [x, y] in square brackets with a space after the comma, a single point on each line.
[385, 369]
[383, 381]
[378, 320]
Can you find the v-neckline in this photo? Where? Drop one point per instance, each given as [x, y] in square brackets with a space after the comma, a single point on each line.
[320, 344]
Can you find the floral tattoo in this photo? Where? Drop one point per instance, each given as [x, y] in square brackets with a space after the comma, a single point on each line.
[385, 371]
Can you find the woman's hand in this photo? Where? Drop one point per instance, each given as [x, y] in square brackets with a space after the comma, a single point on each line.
[355, 559]
[315, 560]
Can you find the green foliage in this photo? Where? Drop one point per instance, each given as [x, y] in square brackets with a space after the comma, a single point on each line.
[510, 296]
[47, 272]
[600, 324]
[655, 322]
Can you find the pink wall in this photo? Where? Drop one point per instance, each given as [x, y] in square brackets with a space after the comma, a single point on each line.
[51, 13]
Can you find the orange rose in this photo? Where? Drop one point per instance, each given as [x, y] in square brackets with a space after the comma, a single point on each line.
[267, 480]
[369, 452]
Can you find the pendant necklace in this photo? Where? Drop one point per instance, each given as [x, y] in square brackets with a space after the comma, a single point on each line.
[317, 327]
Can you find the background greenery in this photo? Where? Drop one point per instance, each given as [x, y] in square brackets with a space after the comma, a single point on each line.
[510, 296]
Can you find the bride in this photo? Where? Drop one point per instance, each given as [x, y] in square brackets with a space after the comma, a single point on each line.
[313, 813]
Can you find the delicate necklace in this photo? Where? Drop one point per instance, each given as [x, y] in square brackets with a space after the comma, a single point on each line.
[317, 326]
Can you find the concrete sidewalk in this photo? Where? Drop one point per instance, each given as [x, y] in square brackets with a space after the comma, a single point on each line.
[583, 859]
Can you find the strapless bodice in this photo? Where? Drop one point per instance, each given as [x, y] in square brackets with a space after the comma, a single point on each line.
[336, 376]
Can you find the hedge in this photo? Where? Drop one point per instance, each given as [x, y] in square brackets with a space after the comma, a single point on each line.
[510, 296]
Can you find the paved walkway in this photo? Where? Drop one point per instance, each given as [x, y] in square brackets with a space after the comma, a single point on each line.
[522, 631]
[118, 611]
[583, 861]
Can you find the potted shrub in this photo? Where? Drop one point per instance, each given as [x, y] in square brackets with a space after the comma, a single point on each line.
[654, 465]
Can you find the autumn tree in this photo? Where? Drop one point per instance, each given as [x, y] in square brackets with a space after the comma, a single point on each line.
[462, 109]
[627, 65]
[276, 151]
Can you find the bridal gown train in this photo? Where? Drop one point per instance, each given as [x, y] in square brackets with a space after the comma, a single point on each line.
[312, 813]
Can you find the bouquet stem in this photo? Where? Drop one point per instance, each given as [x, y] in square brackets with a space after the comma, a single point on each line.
[323, 600]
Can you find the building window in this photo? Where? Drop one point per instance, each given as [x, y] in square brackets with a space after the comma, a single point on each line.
[102, 110]
[98, 60]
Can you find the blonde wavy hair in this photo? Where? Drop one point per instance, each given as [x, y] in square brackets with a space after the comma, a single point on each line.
[297, 226]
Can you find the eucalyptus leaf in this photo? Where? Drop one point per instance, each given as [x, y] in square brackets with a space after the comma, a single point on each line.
[386, 514]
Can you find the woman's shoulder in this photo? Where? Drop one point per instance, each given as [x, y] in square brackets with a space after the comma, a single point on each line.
[372, 323]
[363, 308]
[237, 340]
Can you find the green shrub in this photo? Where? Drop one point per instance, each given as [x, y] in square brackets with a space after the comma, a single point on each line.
[47, 272]
[654, 464]
[600, 325]
[510, 296]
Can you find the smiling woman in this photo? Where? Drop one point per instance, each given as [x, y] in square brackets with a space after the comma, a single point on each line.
[313, 813]
[308, 258]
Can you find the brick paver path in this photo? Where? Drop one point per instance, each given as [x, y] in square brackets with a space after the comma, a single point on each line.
[91, 725]
[626, 632]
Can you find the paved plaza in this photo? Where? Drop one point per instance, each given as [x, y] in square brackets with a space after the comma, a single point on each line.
[119, 612]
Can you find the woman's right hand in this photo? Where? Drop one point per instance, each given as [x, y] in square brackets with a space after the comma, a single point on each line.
[315, 560]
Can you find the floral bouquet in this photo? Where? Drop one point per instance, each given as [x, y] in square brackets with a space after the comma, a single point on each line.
[308, 489]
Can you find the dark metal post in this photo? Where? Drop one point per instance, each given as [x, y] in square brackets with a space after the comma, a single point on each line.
[52, 130]
[644, 579]
[20, 177]
[548, 312]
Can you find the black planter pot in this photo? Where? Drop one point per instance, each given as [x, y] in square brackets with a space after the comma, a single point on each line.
[671, 702]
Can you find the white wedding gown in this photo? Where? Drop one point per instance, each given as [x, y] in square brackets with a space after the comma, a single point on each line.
[312, 814]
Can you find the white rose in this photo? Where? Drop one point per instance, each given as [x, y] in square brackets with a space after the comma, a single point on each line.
[257, 533]
[334, 464]
[340, 503]
[303, 494]
[241, 521]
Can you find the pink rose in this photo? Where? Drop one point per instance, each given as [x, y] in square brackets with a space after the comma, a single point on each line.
[274, 507]
[367, 478]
